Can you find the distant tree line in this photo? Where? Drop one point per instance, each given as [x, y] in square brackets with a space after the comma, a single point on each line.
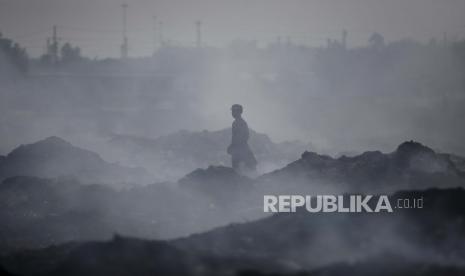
[12, 53]
[67, 54]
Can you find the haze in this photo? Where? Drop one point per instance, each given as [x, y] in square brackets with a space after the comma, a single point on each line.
[95, 25]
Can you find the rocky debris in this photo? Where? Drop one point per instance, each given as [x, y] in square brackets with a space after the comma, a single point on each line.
[322, 244]
[390, 263]
[54, 157]
[203, 199]
[174, 155]
[223, 188]
[39, 212]
[311, 240]
[417, 157]
[215, 179]
[118, 256]
[458, 161]
[411, 165]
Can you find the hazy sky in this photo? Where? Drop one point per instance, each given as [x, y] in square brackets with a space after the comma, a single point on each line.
[96, 25]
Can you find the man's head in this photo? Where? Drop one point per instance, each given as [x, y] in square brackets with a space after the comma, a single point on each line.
[236, 111]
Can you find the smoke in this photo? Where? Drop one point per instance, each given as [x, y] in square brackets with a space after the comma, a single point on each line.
[338, 100]
[335, 99]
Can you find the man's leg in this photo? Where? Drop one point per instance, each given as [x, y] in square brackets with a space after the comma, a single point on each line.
[235, 162]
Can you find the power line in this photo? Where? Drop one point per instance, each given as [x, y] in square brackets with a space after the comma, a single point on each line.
[22, 36]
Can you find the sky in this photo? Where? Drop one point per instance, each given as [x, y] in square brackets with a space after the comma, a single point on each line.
[96, 25]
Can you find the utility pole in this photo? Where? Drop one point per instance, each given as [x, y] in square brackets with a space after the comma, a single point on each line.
[344, 38]
[52, 46]
[124, 45]
[198, 26]
[155, 40]
[160, 34]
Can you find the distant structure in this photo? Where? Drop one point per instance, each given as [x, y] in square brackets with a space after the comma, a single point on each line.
[444, 39]
[53, 46]
[288, 41]
[124, 45]
[160, 34]
[198, 28]
[329, 43]
[155, 38]
[376, 41]
[344, 39]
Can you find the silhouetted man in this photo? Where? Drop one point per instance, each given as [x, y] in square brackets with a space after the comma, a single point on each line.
[242, 157]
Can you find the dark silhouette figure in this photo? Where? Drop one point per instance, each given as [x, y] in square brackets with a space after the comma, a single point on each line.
[242, 157]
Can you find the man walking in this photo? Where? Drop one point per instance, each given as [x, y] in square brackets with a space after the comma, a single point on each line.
[242, 157]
